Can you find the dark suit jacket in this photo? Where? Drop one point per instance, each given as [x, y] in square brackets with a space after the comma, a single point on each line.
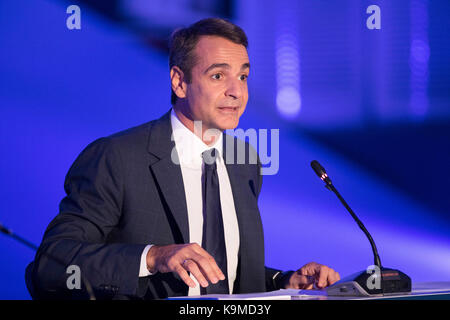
[124, 192]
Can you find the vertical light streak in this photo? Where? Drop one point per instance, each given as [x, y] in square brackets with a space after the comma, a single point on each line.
[418, 58]
[288, 98]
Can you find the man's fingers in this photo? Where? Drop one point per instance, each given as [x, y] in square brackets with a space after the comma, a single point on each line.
[184, 258]
[310, 269]
[308, 282]
[335, 277]
[324, 275]
[209, 268]
[327, 277]
[207, 262]
[192, 267]
[308, 287]
[302, 282]
[201, 265]
[184, 276]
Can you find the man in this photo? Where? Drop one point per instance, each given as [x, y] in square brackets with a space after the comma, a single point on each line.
[156, 211]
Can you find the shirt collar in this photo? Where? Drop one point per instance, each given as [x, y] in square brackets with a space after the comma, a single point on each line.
[189, 146]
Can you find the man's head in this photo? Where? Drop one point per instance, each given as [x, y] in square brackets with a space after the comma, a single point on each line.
[209, 67]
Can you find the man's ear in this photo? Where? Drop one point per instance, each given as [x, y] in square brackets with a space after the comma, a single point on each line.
[178, 81]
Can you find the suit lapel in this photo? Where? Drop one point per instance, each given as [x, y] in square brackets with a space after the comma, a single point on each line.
[168, 175]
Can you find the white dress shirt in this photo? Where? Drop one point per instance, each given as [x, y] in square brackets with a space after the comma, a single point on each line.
[190, 148]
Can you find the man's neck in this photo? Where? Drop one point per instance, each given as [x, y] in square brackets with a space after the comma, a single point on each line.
[209, 137]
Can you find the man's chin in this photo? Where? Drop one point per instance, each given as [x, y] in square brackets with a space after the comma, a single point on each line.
[227, 122]
[229, 125]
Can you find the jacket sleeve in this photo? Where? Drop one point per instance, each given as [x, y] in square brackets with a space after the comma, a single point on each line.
[78, 235]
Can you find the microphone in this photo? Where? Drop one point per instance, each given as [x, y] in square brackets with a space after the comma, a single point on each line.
[320, 171]
[373, 281]
[31, 245]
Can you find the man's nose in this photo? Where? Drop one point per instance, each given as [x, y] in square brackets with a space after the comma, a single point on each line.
[234, 89]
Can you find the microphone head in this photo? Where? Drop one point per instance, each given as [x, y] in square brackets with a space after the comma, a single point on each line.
[320, 171]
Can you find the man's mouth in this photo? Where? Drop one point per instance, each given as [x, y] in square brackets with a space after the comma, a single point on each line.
[229, 109]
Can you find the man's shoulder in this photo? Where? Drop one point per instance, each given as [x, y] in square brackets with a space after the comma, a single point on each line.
[126, 142]
[132, 143]
[131, 134]
[123, 143]
[138, 136]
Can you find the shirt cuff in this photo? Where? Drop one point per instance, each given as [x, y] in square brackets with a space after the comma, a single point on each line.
[143, 271]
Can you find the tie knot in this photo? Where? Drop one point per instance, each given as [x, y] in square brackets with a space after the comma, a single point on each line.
[209, 156]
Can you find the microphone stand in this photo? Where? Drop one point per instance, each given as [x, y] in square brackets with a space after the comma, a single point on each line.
[391, 281]
[376, 256]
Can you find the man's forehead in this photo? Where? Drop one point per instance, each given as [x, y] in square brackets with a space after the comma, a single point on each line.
[217, 50]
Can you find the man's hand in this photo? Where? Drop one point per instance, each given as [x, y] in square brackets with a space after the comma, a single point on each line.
[184, 258]
[310, 274]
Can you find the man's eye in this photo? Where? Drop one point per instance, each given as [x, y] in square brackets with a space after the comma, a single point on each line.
[243, 77]
[216, 76]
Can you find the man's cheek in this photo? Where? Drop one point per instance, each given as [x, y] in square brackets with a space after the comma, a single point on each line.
[243, 109]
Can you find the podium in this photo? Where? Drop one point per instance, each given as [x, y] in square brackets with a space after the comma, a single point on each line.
[420, 291]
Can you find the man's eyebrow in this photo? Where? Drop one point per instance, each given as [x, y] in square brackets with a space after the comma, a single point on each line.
[226, 66]
[245, 66]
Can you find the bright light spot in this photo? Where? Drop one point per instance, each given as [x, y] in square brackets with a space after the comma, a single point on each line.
[288, 101]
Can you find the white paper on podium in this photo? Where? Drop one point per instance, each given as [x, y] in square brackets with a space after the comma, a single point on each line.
[283, 294]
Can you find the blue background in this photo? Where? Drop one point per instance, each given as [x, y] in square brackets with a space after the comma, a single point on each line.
[373, 106]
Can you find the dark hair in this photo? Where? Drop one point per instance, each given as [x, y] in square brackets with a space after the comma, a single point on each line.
[183, 41]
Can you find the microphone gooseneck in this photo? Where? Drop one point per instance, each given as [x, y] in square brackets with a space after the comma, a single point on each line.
[320, 171]
[364, 283]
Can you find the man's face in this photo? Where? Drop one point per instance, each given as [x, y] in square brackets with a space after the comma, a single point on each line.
[218, 91]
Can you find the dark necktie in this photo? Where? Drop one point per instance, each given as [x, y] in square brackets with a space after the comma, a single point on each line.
[213, 240]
